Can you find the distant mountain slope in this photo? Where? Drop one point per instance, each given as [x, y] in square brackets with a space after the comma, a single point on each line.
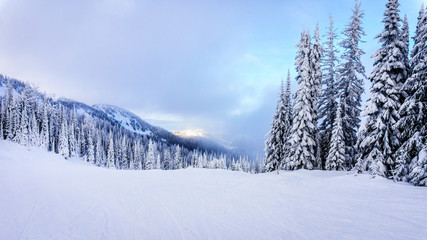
[121, 117]
[87, 110]
[132, 122]
[126, 119]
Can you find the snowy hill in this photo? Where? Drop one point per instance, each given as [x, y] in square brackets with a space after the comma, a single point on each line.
[126, 119]
[43, 196]
[133, 123]
[87, 110]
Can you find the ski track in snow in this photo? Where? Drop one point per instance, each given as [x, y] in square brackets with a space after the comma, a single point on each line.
[29, 220]
[43, 196]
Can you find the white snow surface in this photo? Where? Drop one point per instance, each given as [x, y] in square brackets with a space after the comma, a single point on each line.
[43, 196]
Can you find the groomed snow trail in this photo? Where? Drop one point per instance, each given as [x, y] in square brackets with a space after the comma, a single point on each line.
[43, 196]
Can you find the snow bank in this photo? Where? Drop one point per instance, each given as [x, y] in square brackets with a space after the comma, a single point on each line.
[43, 196]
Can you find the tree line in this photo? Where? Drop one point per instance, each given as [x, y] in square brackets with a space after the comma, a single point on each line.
[33, 119]
[321, 128]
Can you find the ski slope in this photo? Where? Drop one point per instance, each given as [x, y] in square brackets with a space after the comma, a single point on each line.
[43, 196]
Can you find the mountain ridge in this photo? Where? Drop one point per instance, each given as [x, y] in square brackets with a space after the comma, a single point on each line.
[124, 118]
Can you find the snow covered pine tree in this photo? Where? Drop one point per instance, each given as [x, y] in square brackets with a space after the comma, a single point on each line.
[350, 83]
[328, 97]
[303, 145]
[411, 157]
[277, 136]
[379, 135]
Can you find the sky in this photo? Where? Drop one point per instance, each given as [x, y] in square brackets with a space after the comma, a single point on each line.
[190, 64]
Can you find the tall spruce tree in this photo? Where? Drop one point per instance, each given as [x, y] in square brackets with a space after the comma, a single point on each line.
[303, 146]
[328, 98]
[90, 148]
[53, 128]
[124, 154]
[22, 132]
[167, 159]
[71, 134]
[44, 135]
[316, 55]
[137, 156]
[379, 136]
[411, 157]
[405, 41]
[99, 150]
[110, 151]
[275, 144]
[11, 112]
[351, 74]
[151, 155]
[63, 147]
[177, 158]
[336, 157]
[288, 121]
[34, 137]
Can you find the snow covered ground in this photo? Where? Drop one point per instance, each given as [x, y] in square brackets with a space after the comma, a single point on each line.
[43, 196]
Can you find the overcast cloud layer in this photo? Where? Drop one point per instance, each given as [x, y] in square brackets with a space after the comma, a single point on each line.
[212, 65]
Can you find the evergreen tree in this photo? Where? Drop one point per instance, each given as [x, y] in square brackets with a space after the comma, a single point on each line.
[411, 157]
[204, 160]
[11, 112]
[166, 158]
[137, 156]
[287, 122]
[26, 125]
[63, 140]
[53, 128]
[405, 41]
[63, 147]
[16, 117]
[71, 134]
[316, 53]
[44, 135]
[158, 162]
[99, 150]
[379, 137]
[303, 134]
[418, 174]
[222, 162]
[177, 158]
[23, 132]
[275, 144]
[110, 151]
[350, 82]
[328, 98]
[90, 150]
[151, 155]
[336, 156]
[124, 155]
[34, 130]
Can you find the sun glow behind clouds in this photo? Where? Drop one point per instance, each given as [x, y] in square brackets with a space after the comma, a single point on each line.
[188, 133]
